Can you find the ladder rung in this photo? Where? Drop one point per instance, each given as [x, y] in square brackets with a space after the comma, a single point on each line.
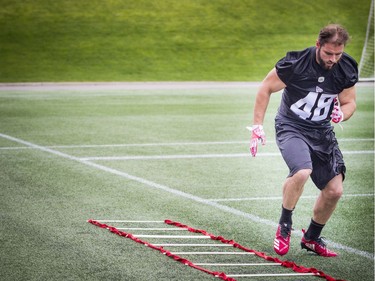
[238, 264]
[213, 253]
[193, 245]
[171, 236]
[269, 275]
[150, 229]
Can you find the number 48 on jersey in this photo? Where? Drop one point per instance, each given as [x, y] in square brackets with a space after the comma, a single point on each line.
[314, 107]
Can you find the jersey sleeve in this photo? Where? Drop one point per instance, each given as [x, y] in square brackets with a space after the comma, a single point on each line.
[293, 62]
[284, 69]
[350, 67]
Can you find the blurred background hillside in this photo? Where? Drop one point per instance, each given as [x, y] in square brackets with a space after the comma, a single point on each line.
[163, 40]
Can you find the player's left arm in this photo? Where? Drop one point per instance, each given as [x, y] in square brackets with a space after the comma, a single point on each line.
[347, 99]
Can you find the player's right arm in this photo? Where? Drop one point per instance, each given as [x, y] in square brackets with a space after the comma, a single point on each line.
[271, 84]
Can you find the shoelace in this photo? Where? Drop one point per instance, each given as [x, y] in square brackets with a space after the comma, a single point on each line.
[285, 230]
[321, 241]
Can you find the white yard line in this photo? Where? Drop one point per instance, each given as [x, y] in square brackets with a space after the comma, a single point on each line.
[197, 156]
[165, 188]
[280, 198]
[87, 86]
[165, 85]
[165, 157]
[166, 144]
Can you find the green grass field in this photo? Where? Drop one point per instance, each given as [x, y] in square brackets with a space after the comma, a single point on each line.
[164, 40]
[158, 153]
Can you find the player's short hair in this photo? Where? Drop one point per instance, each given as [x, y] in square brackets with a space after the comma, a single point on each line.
[333, 33]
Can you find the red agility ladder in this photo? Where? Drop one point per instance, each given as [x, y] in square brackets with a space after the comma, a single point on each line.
[177, 256]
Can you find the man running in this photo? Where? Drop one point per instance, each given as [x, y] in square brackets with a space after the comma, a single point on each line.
[318, 87]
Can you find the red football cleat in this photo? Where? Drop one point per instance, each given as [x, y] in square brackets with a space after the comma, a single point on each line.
[317, 246]
[282, 239]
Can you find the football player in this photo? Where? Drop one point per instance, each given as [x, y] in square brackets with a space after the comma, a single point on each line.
[318, 86]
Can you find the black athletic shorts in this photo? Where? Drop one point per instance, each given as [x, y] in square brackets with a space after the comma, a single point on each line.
[308, 147]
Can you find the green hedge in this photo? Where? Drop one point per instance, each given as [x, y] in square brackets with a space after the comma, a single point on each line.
[164, 40]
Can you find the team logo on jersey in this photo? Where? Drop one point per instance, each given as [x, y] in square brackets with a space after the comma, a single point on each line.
[321, 79]
[318, 89]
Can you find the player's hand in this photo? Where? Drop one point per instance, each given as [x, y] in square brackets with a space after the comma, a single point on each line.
[337, 116]
[257, 135]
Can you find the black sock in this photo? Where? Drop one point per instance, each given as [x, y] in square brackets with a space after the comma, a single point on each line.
[314, 230]
[286, 216]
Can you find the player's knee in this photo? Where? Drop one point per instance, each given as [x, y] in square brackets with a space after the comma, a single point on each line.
[334, 188]
[334, 195]
[303, 174]
[334, 192]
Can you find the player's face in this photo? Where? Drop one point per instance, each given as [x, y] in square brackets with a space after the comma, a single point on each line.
[329, 54]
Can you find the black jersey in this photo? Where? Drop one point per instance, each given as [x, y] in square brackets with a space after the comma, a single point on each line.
[310, 89]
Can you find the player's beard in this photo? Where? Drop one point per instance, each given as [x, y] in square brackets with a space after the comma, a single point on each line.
[327, 65]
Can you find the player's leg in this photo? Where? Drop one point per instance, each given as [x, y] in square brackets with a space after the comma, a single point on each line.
[293, 188]
[297, 156]
[327, 200]
[332, 172]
